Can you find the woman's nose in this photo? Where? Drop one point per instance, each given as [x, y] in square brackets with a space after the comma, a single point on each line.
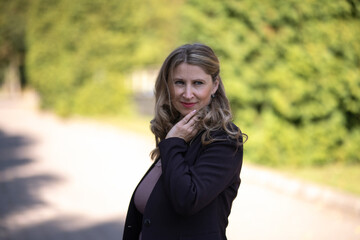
[188, 93]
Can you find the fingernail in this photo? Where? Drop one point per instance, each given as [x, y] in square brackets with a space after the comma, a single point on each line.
[194, 110]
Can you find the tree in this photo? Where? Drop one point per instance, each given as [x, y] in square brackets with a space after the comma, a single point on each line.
[291, 69]
[12, 44]
[80, 52]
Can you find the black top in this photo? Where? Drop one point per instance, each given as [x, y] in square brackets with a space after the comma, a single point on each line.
[193, 197]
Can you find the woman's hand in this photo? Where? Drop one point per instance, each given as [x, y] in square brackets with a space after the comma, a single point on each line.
[186, 128]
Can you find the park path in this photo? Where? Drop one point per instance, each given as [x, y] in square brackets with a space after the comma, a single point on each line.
[72, 179]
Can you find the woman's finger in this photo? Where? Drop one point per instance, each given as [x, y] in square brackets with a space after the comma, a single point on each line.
[192, 122]
[189, 116]
[193, 132]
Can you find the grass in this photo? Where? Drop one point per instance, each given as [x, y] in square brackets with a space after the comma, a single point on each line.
[338, 176]
[134, 123]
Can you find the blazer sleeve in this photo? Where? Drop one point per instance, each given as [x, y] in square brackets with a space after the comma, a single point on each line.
[192, 187]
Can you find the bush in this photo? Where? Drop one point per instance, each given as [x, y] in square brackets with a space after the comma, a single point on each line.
[291, 70]
[81, 51]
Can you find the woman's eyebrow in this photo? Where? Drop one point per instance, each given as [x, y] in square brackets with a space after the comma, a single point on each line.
[195, 79]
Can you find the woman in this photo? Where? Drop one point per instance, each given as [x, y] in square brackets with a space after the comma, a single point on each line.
[188, 191]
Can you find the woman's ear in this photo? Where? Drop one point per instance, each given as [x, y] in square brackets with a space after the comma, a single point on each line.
[215, 86]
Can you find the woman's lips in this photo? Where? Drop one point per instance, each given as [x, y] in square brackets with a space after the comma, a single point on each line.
[188, 105]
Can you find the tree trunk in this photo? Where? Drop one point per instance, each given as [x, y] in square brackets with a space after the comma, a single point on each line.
[12, 85]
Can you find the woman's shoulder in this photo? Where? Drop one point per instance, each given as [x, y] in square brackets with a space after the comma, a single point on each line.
[224, 138]
[231, 133]
[230, 128]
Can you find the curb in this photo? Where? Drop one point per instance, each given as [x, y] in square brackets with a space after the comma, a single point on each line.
[344, 202]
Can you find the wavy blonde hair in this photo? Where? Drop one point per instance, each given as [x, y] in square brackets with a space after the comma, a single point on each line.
[217, 115]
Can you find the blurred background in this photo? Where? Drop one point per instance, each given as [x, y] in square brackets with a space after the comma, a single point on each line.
[291, 70]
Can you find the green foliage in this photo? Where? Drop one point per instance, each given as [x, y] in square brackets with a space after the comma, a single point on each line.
[101, 96]
[292, 72]
[81, 51]
[291, 68]
[12, 28]
[12, 36]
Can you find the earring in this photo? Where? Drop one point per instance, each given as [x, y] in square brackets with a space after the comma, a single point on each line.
[212, 95]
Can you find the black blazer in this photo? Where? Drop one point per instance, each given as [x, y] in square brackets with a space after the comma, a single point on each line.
[194, 194]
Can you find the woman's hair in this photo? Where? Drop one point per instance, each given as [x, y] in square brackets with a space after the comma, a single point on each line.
[217, 115]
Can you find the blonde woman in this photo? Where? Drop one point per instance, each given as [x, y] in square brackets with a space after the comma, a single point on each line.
[188, 191]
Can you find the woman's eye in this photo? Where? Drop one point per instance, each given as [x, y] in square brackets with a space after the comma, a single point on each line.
[198, 83]
[179, 82]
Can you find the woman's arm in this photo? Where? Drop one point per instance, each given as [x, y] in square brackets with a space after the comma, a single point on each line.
[191, 188]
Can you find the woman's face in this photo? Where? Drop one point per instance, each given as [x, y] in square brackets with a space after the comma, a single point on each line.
[191, 88]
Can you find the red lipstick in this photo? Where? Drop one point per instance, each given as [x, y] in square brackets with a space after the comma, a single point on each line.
[187, 105]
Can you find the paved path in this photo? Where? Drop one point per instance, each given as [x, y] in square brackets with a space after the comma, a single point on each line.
[71, 179]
